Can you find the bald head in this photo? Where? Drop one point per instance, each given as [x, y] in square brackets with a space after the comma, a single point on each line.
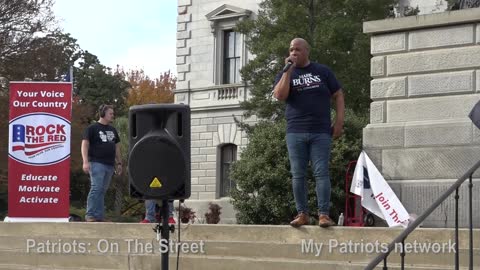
[299, 51]
[300, 42]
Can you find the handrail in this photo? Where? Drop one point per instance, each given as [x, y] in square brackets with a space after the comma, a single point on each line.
[422, 217]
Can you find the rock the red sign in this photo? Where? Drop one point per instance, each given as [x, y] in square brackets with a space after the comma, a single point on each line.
[39, 150]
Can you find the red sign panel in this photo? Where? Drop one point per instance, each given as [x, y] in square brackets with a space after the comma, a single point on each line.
[39, 150]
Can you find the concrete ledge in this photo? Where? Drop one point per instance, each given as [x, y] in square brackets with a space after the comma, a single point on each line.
[422, 21]
[238, 246]
[231, 233]
[54, 260]
[201, 207]
[347, 261]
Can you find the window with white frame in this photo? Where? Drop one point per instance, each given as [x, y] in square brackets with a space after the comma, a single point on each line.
[229, 53]
[231, 57]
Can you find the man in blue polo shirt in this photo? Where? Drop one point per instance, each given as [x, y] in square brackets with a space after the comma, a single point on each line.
[308, 88]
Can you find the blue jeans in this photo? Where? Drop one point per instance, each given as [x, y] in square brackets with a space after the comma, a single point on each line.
[150, 210]
[314, 147]
[100, 176]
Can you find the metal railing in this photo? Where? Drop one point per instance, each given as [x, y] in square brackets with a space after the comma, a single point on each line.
[401, 238]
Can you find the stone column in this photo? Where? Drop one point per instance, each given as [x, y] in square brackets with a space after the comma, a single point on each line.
[426, 79]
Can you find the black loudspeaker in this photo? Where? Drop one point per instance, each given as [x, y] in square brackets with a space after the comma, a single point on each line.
[159, 151]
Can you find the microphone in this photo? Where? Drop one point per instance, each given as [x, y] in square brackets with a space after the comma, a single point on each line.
[288, 65]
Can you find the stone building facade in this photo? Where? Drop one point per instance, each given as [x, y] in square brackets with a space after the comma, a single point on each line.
[426, 79]
[209, 56]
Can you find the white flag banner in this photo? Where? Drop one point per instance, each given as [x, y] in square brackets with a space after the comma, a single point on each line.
[377, 196]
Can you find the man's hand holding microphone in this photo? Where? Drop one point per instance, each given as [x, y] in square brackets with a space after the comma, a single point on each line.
[289, 63]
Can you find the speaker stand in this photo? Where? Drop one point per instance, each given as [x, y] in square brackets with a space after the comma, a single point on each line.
[165, 230]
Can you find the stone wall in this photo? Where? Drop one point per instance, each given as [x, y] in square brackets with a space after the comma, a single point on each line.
[426, 79]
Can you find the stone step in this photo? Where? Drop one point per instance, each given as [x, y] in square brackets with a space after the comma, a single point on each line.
[302, 251]
[242, 246]
[67, 261]
[30, 267]
[250, 233]
[242, 263]
[142, 262]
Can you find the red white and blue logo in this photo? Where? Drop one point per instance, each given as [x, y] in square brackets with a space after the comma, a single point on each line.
[39, 144]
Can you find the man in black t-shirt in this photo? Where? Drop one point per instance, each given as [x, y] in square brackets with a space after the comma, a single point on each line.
[101, 158]
[308, 88]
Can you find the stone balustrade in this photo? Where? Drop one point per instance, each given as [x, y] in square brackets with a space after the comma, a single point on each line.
[219, 96]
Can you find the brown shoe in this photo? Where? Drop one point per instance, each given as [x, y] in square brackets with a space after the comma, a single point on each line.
[325, 221]
[91, 219]
[300, 219]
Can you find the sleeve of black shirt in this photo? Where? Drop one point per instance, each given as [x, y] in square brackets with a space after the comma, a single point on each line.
[332, 82]
[277, 79]
[117, 138]
[86, 134]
